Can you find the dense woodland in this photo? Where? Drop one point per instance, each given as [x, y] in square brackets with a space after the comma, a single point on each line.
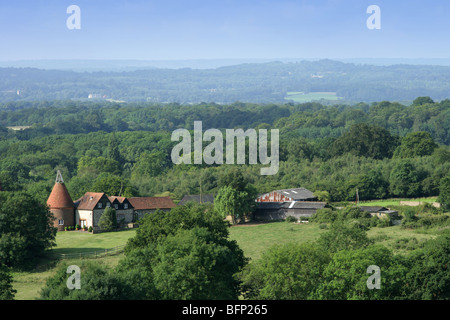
[251, 82]
[384, 149]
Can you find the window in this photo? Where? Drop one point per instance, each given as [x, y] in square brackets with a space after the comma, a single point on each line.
[99, 204]
[60, 222]
[108, 204]
[125, 205]
[116, 206]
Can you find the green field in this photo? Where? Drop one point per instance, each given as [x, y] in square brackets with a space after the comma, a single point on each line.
[254, 239]
[395, 202]
[301, 97]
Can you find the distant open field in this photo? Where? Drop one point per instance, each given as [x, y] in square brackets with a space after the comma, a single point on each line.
[301, 97]
[395, 202]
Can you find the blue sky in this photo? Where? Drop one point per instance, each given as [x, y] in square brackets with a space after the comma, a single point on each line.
[226, 29]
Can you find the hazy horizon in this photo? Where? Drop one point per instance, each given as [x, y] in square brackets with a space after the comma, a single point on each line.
[175, 30]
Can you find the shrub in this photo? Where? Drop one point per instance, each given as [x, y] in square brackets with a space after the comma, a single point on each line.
[291, 219]
[90, 229]
[323, 226]
[325, 215]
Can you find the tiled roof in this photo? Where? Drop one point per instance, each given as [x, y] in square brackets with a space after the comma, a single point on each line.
[89, 200]
[59, 197]
[151, 203]
[120, 199]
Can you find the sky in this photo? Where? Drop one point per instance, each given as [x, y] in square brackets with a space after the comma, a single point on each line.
[225, 29]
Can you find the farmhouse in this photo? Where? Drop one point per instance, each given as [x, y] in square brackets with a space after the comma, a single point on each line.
[90, 207]
[87, 210]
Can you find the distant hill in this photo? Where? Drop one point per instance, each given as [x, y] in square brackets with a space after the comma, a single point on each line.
[248, 82]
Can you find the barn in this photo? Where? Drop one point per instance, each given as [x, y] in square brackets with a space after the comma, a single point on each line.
[287, 195]
[280, 204]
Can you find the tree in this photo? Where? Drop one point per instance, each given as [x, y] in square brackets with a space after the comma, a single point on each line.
[365, 140]
[192, 265]
[234, 203]
[96, 283]
[444, 193]
[183, 254]
[236, 197]
[6, 289]
[285, 272]
[404, 179]
[342, 236]
[112, 152]
[429, 275]
[346, 276]
[26, 229]
[416, 144]
[112, 185]
[108, 220]
[419, 101]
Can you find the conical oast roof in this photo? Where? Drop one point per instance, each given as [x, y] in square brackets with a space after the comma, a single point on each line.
[60, 197]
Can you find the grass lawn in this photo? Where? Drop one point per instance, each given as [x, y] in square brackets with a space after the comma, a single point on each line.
[254, 239]
[73, 241]
[29, 284]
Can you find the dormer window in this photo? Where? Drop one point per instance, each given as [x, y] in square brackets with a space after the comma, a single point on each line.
[125, 205]
[99, 205]
[116, 206]
[108, 204]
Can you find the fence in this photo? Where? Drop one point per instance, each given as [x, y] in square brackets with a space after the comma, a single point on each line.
[90, 254]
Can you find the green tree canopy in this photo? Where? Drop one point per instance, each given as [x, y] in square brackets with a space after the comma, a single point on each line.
[416, 144]
[365, 140]
[6, 288]
[108, 220]
[285, 272]
[26, 229]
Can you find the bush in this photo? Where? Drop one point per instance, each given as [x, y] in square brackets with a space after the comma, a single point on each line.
[291, 219]
[90, 229]
[325, 215]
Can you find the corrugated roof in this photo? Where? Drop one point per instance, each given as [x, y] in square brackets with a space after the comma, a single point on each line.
[291, 205]
[297, 193]
[59, 197]
[151, 203]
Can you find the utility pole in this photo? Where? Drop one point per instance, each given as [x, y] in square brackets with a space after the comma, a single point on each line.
[357, 197]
